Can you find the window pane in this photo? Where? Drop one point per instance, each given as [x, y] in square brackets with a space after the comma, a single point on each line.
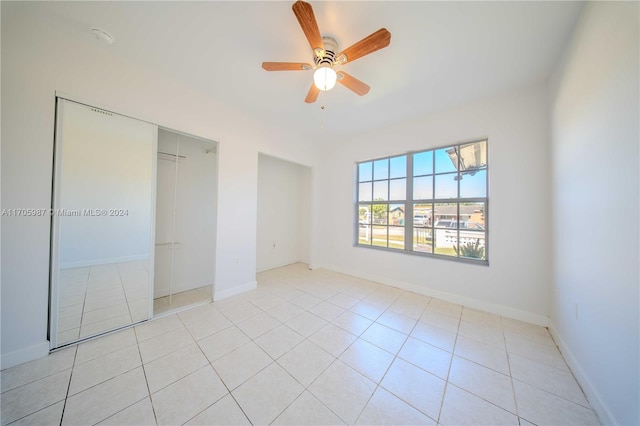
[445, 215]
[396, 214]
[423, 163]
[422, 215]
[472, 244]
[398, 167]
[396, 237]
[398, 189]
[381, 169]
[423, 188]
[473, 156]
[364, 192]
[445, 234]
[379, 212]
[473, 184]
[446, 160]
[423, 240]
[445, 242]
[381, 190]
[472, 216]
[446, 186]
[364, 234]
[379, 236]
[365, 171]
[364, 213]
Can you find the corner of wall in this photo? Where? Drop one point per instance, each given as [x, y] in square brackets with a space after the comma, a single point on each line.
[234, 291]
[24, 355]
[601, 409]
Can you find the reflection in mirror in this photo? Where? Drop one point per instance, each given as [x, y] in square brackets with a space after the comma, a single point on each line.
[104, 201]
[98, 298]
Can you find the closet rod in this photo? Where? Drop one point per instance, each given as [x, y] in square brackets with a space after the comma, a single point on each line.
[172, 156]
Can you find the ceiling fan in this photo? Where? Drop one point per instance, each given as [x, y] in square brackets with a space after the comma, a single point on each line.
[326, 55]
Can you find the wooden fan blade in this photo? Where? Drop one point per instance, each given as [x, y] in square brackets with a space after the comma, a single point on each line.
[313, 94]
[376, 41]
[307, 20]
[353, 84]
[285, 66]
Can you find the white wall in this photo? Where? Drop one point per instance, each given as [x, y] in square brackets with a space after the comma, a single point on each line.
[594, 110]
[284, 211]
[40, 56]
[517, 281]
[195, 215]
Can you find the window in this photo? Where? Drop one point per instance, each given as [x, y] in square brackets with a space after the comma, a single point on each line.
[442, 191]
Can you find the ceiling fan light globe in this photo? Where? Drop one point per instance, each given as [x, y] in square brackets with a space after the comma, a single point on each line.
[325, 78]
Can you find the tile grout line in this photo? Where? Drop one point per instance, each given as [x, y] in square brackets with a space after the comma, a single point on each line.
[513, 388]
[126, 298]
[144, 372]
[446, 382]
[66, 397]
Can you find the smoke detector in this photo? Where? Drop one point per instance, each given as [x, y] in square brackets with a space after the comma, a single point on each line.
[102, 35]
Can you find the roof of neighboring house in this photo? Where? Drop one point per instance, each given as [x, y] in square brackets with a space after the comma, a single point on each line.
[451, 210]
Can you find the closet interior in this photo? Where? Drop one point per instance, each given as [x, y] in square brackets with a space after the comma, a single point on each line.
[185, 228]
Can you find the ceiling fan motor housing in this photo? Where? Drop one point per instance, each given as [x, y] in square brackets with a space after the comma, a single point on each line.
[328, 57]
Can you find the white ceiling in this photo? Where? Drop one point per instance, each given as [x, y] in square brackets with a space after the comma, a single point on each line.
[441, 53]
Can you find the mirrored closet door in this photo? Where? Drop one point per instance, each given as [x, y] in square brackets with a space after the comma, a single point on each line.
[185, 221]
[102, 222]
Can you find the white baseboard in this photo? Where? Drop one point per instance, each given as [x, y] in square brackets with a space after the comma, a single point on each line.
[161, 292]
[279, 265]
[233, 291]
[605, 415]
[502, 310]
[24, 355]
[105, 261]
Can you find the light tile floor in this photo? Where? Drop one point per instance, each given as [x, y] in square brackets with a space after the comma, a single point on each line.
[182, 299]
[306, 347]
